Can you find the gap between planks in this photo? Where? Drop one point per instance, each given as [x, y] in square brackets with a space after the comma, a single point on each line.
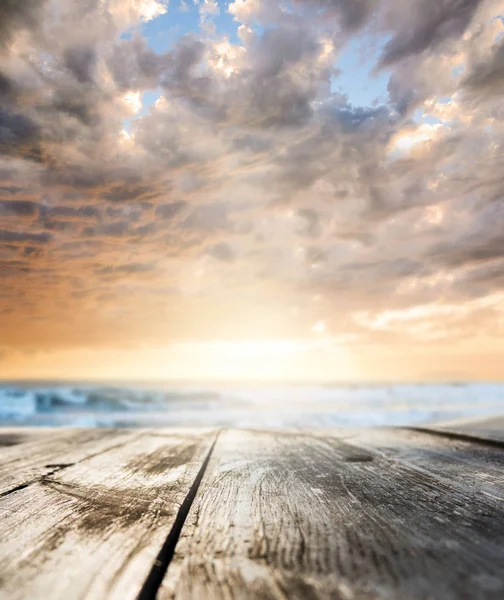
[161, 564]
[160, 567]
[143, 554]
[311, 516]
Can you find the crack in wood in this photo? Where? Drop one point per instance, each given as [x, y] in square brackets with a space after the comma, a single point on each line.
[22, 486]
[56, 467]
[162, 562]
[41, 478]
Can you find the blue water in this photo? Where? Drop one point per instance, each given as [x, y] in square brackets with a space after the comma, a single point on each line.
[91, 405]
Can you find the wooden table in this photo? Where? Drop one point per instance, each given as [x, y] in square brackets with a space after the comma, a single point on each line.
[238, 514]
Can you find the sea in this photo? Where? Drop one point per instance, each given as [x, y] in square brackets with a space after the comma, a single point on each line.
[243, 406]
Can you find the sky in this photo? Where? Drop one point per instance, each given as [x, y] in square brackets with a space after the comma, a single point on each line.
[307, 191]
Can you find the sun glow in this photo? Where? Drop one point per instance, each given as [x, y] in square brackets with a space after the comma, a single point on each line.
[309, 360]
[404, 142]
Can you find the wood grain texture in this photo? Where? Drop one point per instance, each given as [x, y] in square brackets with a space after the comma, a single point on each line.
[489, 429]
[474, 469]
[12, 436]
[302, 516]
[22, 464]
[93, 529]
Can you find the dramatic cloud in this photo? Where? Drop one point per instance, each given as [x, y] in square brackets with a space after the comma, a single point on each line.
[423, 25]
[227, 184]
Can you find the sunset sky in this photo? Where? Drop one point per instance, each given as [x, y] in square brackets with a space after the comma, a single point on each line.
[310, 190]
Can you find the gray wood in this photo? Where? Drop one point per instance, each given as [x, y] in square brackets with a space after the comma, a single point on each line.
[24, 463]
[470, 467]
[93, 529]
[12, 436]
[389, 514]
[485, 429]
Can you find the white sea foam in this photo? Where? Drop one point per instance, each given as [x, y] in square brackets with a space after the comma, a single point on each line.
[16, 404]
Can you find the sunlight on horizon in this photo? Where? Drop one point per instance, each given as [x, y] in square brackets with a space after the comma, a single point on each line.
[250, 189]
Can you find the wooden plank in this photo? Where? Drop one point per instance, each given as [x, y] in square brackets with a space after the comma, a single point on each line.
[93, 530]
[489, 429]
[22, 464]
[472, 468]
[12, 436]
[300, 516]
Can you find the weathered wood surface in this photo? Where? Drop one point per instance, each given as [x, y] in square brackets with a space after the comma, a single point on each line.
[401, 516]
[22, 464]
[489, 429]
[93, 529]
[462, 463]
[12, 436]
[346, 515]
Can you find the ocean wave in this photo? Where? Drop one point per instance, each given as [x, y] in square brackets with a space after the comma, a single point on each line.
[240, 406]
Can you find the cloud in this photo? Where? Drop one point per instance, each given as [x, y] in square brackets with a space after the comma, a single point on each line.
[133, 65]
[249, 185]
[349, 15]
[20, 208]
[19, 14]
[81, 62]
[213, 217]
[222, 252]
[311, 222]
[124, 269]
[19, 136]
[170, 210]
[423, 25]
[135, 190]
[70, 213]
[486, 78]
[479, 243]
[13, 237]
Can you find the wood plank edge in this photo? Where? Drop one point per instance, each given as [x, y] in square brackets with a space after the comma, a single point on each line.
[458, 435]
[160, 566]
